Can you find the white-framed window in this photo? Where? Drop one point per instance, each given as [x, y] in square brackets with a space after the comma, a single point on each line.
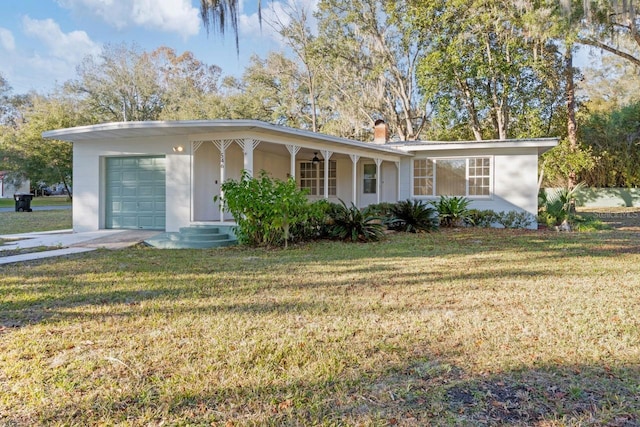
[312, 177]
[369, 184]
[470, 176]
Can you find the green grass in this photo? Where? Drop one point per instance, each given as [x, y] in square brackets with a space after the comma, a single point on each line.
[459, 327]
[25, 222]
[39, 201]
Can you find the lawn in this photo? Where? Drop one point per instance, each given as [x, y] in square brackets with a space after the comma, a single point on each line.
[459, 327]
[39, 201]
[25, 222]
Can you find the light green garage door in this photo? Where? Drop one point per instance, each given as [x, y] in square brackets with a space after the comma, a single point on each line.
[135, 193]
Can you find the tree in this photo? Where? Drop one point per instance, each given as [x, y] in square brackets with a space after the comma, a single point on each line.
[480, 67]
[188, 87]
[40, 160]
[368, 59]
[305, 47]
[217, 14]
[612, 134]
[121, 84]
[605, 22]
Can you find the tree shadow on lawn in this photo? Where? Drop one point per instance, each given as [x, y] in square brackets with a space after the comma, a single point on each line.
[427, 389]
[424, 391]
[132, 276]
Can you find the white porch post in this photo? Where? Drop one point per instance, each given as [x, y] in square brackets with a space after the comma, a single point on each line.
[378, 178]
[248, 145]
[293, 150]
[397, 181]
[354, 177]
[222, 146]
[194, 147]
[327, 155]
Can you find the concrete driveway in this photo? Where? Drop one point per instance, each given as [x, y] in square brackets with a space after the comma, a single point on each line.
[67, 242]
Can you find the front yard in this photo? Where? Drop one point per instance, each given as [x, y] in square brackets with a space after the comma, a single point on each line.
[458, 327]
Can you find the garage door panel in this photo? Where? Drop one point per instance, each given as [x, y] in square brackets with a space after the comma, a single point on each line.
[136, 193]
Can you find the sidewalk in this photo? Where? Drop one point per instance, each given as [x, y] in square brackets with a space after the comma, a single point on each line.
[66, 242]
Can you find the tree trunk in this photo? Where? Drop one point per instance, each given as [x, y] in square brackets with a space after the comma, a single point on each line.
[572, 134]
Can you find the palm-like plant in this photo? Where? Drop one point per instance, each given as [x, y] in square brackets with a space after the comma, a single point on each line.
[351, 223]
[556, 205]
[453, 211]
[413, 216]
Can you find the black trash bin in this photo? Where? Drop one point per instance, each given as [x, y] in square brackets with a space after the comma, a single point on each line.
[23, 202]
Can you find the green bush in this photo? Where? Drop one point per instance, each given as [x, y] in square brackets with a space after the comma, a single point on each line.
[413, 216]
[514, 219]
[382, 209]
[266, 210]
[482, 218]
[453, 211]
[555, 207]
[351, 223]
[316, 225]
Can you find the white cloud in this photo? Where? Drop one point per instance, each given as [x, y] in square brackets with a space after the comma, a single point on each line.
[70, 47]
[6, 40]
[171, 16]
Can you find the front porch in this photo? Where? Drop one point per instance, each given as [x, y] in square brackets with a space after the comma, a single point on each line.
[361, 178]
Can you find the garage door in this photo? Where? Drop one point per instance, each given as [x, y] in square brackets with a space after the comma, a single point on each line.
[135, 193]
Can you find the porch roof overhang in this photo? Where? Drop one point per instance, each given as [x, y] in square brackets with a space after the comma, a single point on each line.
[204, 130]
[542, 145]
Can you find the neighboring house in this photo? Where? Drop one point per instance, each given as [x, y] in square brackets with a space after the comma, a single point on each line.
[164, 175]
[9, 187]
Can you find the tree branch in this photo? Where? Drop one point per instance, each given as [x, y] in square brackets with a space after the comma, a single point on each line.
[605, 47]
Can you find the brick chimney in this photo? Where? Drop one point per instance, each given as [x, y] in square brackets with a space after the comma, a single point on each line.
[380, 132]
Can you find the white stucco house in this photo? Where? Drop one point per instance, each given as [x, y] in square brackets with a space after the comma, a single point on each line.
[164, 175]
[9, 187]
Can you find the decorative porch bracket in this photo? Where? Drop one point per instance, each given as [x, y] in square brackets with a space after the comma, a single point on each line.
[248, 145]
[293, 150]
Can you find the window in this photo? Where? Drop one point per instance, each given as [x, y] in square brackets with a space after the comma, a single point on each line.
[369, 183]
[312, 177]
[452, 177]
[479, 176]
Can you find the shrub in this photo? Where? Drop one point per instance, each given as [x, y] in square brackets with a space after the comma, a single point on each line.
[383, 209]
[315, 227]
[453, 211]
[413, 216]
[351, 223]
[514, 219]
[482, 218]
[555, 207]
[266, 210]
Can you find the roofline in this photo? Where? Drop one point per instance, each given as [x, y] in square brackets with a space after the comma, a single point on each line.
[76, 134]
[542, 144]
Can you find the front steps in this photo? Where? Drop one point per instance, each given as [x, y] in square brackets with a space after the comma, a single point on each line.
[195, 237]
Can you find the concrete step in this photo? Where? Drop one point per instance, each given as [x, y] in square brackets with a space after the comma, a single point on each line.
[192, 237]
[195, 237]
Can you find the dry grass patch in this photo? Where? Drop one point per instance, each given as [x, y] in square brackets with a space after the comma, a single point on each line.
[463, 327]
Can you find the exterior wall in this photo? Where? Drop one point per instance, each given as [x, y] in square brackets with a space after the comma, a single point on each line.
[7, 190]
[608, 197]
[515, 173]
[344, 174]
[89, 178]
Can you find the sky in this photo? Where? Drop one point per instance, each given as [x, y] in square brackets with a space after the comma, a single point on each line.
[42, 41]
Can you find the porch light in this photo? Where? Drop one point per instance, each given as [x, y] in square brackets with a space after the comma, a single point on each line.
[178, 149]
[315, 159]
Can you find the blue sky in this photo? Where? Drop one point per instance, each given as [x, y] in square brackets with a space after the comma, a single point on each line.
[42, 41]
